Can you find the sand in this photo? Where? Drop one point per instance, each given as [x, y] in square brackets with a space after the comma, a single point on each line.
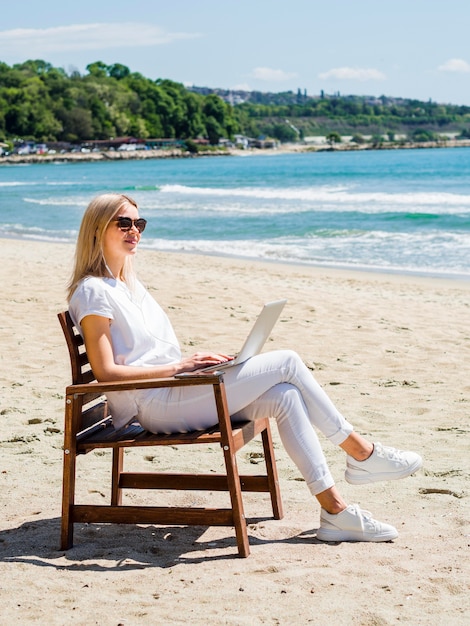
[392, 352]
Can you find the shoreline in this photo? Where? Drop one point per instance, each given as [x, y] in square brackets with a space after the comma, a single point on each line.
[354, 272]
[79, 157]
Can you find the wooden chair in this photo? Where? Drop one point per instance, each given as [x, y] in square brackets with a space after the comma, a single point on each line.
[89, 427]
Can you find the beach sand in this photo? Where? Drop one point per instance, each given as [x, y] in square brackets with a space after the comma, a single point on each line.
[392, 352]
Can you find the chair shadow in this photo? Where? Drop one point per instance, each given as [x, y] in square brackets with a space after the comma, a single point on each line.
[126, 547]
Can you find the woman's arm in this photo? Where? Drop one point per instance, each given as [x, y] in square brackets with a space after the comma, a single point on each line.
[97, 336]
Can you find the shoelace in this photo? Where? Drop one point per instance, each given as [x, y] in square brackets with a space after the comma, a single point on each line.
[389, 453]
[364, 516]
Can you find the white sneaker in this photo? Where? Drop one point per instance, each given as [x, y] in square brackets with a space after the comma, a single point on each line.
[353, 524]
[384, 464]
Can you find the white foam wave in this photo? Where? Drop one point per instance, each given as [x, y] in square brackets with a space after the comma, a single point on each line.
[37, 233]
[339, 197]
[58, 201]
[410, 253]
[62, 183]
[42, 183]
[229, 206]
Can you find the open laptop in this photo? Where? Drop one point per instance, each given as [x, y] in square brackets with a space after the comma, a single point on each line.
[257, 338]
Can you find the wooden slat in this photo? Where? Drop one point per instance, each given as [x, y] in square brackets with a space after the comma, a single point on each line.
[93, 420]
[152, 515]
[92, 398]
[83, 360]
[95, 427]
[189, 482]
[106, 436]
[248, 431]
[87, 377]
[147, 383]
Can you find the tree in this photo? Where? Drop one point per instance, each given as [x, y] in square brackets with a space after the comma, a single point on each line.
[333, 137]
[214, 130]
[77, 124]
[283, 132]
[118, 71]
[97, 69]
[421, 135]
[358, 138]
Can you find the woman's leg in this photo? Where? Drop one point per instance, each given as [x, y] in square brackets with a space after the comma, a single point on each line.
[357, 447]
[170, 410]
[285, 404]
[331, 501]
[245, 383]
[276, 384]
[280, 385]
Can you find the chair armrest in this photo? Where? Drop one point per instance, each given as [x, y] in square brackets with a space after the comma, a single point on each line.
[148, 383]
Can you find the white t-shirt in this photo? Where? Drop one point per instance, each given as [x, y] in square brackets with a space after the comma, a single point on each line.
[141, 333]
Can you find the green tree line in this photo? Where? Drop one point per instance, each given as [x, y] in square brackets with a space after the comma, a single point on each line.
[42, 102]
[45, 103]
[353, 114]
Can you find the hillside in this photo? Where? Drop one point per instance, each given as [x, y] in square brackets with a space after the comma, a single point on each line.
[44, 103]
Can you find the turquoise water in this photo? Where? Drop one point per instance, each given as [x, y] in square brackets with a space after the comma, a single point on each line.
[401, 210]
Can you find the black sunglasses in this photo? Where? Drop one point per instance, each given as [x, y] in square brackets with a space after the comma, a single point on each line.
[126, 223]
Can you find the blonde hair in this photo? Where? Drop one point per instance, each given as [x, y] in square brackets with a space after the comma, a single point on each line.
[89, 257]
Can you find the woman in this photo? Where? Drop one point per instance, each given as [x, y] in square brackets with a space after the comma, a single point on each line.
[127, 336]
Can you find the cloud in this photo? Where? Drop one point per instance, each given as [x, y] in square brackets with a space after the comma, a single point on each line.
[241, 87]
[352, 73]
[99, 36]
[455, 65]
[269, 74]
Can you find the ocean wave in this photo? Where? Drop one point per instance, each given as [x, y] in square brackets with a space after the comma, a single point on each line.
[429, 254]
[39, 183]
[142, 188]
[82, 202]
[35, 232]
[336, 197]
[61, 183]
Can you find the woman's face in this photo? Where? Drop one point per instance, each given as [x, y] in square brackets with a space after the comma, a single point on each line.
[118, 242]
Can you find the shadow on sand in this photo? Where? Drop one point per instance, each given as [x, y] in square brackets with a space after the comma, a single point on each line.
[110, 547]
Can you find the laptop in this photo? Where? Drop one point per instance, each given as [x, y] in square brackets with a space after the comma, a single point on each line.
[256, 339]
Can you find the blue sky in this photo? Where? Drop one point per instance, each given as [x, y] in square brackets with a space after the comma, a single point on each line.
[413, 49]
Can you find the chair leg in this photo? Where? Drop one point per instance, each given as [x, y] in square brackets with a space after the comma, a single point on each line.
[68, 499]
[271, 469]
[118, 462]
[234, 487]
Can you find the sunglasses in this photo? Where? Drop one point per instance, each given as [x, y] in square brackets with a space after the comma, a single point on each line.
[126, 223]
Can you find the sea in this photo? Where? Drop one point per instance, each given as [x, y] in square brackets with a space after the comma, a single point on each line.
[400, 211]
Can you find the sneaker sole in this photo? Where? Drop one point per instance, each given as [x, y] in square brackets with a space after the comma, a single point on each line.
[323, 534]
[369, 477]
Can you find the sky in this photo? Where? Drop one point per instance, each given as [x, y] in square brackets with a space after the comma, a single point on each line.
[407, 48]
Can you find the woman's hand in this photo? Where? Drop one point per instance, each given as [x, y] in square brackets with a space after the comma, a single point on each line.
[97, 335]
[200, 360]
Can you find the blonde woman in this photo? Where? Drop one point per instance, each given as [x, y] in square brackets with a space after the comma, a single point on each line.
[128, 336]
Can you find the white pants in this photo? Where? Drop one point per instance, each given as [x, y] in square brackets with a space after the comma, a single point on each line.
[277, 384]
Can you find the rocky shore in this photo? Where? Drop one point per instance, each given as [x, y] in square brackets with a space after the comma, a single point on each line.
[175, 153]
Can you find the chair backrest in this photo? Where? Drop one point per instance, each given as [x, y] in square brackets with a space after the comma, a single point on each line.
[94, 405]
[81, 368]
